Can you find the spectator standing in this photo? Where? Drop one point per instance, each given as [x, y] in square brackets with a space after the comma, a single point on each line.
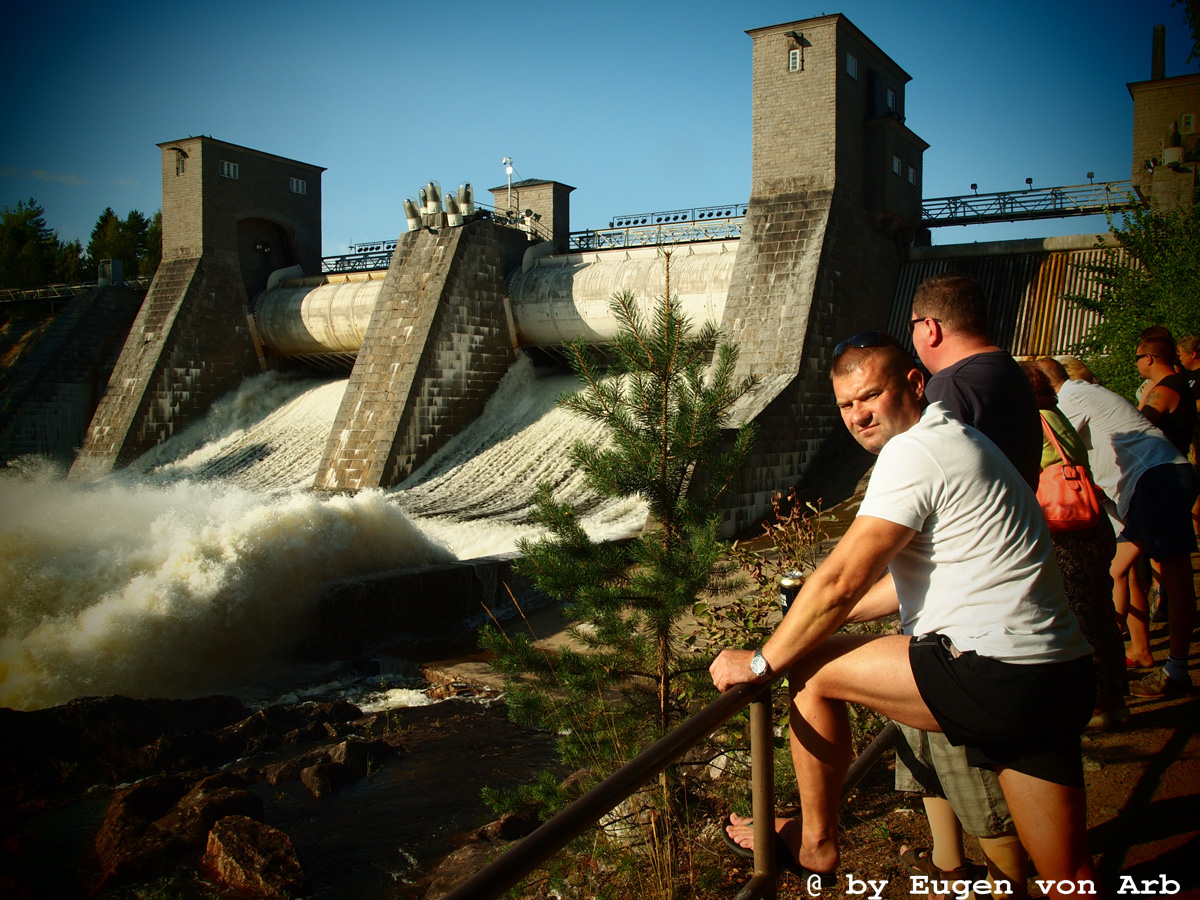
[983, 386]
[1151, 488]
[1083, 558]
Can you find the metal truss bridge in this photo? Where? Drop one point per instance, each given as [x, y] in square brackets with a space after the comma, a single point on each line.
[1016, 206]
[722, 223]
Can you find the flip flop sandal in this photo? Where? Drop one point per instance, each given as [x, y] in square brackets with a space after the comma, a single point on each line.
[919, 861]
[783, 858]
[731, 843]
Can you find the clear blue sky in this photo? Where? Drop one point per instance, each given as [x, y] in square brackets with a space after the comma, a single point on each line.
[640, 106]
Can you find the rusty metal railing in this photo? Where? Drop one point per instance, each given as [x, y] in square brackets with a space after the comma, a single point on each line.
[522, 859]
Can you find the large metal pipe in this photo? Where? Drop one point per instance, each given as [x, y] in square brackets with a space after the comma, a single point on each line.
[555, 299]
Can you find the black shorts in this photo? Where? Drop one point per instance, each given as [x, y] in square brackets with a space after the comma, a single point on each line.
[1022, 717]
[1159, 517]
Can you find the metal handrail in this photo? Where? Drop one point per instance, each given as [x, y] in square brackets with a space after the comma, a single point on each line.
[509, 869]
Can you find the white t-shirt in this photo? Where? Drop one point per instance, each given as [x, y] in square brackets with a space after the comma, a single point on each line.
[1121, 443]
[981, 568]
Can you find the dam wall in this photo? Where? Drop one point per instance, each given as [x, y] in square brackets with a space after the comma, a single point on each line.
[834, 203]
[50, 390]
[439, 340]
[190, 344]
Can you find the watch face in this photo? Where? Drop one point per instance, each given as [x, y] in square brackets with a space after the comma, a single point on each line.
[758, 665]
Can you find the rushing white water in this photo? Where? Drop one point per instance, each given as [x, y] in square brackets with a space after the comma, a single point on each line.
[194, 569]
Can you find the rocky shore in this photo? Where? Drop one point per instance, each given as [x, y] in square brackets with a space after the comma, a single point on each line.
[208, 798]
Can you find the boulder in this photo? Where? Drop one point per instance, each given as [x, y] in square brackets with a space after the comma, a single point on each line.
[158, 823]
[341, 764]
[246, 855]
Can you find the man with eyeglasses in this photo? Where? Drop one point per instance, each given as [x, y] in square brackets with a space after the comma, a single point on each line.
[983, 386]
[981, 383]
[949, 535]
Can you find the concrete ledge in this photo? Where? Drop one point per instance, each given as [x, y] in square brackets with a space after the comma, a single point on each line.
[411, 613]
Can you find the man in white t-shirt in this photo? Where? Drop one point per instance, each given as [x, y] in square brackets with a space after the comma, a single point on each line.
[949, 535]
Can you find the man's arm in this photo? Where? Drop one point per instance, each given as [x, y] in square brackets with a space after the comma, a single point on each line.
[880, 600]
[1158, 402]
[827, 598]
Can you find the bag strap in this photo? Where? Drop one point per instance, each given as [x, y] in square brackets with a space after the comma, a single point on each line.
[1049, 432]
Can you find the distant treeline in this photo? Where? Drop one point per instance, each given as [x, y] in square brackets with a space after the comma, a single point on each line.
[33, 255]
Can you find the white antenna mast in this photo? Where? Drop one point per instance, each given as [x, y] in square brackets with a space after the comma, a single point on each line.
[508, 169]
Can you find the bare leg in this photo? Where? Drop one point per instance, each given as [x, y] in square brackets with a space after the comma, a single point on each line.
[1177, 579]
[1137, 617]
[1007, 861]
[946, 830]
[1051, 823]
[863, 669]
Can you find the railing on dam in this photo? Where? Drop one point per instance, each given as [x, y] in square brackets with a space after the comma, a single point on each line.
[57, 291]
[675, 226]
[1043, 203]
[722, 223]
[516, 864]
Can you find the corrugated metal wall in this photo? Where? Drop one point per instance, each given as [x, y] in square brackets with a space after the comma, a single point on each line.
[1025, 290]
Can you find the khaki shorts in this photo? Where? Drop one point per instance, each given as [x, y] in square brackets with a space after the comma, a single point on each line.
[927, 763]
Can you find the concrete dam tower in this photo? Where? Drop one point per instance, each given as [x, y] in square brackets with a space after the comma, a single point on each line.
[230, 216]
[835, 201]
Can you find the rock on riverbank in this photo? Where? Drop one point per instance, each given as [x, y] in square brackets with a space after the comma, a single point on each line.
[185, 783]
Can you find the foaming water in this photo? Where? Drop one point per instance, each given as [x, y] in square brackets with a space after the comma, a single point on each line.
[173, 591]
[266, 436]
[196, 568]
[474, 494]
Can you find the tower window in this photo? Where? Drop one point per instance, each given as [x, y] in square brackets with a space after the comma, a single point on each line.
[179, 164]
[891, 100]
[229, 169]
[298, 185]
[794, 60]
[912, 175]
[897, 165]
[852, 65]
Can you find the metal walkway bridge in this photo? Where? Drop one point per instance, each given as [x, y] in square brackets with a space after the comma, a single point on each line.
[722, 223]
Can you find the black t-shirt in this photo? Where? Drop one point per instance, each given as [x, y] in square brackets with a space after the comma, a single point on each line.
[990, 391]
[1179, 424]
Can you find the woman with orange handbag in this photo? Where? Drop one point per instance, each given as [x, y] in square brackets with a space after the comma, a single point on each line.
[1084, 544]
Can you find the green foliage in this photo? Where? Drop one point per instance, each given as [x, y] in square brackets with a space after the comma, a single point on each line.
[664, 396]
[32, 255]
[27, 246]
[1154, 282]
[125, 239]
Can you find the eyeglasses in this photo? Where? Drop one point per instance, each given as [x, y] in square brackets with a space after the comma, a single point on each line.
[860, 340]
[1141, 356]
[913, 324]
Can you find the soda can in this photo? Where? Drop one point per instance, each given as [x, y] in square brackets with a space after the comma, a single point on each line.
[789, 586]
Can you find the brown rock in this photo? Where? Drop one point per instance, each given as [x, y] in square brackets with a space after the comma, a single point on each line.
[247, 855]
[154, 824]
[461, 865]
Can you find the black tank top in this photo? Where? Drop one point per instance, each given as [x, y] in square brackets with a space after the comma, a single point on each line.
[1179, 424]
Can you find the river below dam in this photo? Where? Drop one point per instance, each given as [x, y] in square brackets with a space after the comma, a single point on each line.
[195, 569]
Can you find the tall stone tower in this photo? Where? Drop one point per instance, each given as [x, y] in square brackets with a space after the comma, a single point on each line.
[231, 216]
[835, 202]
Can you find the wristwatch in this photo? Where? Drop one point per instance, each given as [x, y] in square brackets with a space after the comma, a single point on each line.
[759, 665]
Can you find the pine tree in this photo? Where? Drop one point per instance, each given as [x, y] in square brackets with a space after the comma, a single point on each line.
[664, 391]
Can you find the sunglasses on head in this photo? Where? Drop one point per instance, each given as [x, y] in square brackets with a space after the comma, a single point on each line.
[860, 340]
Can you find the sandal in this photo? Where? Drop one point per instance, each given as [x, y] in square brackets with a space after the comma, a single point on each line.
[818, 881]
[919, 861]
